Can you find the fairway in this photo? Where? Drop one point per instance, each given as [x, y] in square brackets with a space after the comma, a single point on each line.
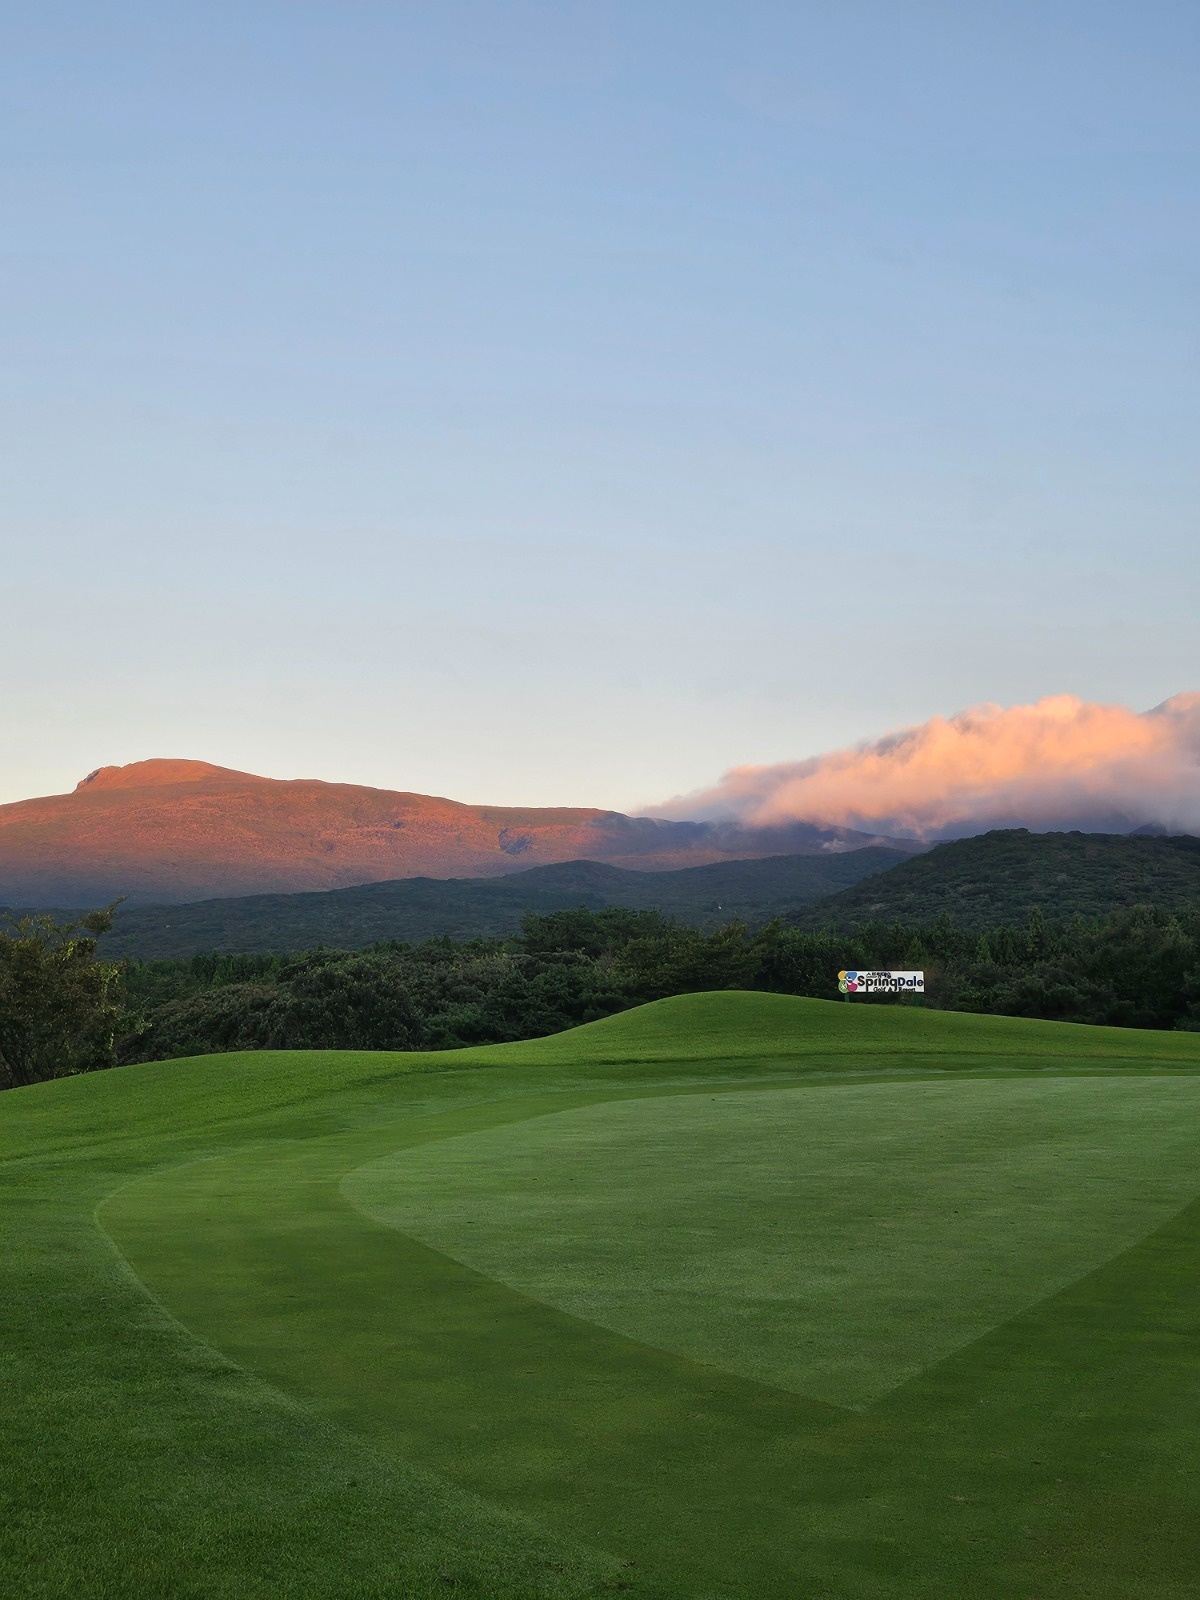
[733, 1295]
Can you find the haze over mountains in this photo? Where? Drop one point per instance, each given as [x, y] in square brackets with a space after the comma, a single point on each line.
[169, 831]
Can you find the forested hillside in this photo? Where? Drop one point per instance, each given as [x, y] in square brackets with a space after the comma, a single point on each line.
[1003, 876]
[412, 909]
[1137, 965]
[1138, 968]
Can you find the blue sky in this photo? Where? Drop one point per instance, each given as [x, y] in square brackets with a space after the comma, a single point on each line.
[563, 402]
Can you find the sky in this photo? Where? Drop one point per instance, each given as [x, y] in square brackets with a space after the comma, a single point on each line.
[569, 403]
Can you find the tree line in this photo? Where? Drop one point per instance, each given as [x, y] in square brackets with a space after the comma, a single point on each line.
[63, 1009]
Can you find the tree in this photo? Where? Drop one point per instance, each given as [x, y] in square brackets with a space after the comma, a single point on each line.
[592, 933]
[59, 1003]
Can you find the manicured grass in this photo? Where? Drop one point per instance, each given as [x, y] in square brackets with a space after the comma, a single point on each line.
[832, 1240]
[312, 1401]
[709, 1028]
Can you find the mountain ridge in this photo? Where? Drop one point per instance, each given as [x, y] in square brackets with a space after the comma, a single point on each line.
[409, 910]
[157, 772]
[171, 831]
[1008, 873]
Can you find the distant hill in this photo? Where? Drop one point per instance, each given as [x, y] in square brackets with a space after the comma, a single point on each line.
[411, 909]
[166, 831]
[1001, 876]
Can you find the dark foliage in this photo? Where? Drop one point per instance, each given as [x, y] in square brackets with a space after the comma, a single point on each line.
[1002, 877]
[1134, 968]
[59, 1003]
[414, 909]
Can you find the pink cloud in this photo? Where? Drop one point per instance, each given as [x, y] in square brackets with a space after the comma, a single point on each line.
[1060, 763]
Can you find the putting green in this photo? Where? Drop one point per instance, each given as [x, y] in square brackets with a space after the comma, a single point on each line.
[830, 1240]
[227, 1379]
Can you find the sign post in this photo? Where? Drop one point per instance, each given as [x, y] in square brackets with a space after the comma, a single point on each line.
[853, 982]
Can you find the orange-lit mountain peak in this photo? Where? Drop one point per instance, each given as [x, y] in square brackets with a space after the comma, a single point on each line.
[188, 830]
[158, 774]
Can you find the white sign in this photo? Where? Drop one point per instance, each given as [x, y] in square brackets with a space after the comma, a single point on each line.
[881, 982]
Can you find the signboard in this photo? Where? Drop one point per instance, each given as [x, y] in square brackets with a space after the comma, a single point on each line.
[881, 983]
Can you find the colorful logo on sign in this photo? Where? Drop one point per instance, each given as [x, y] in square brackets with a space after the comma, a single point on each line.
[854, 982]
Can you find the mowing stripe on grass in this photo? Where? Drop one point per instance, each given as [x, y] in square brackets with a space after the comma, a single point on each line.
[1052, 1457]
[699, 1476]
[834, 1241]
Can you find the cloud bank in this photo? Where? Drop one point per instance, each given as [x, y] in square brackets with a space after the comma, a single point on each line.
[1060, 763]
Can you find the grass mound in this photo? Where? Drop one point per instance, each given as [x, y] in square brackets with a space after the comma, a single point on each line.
[731, 1295]
[738, 1024]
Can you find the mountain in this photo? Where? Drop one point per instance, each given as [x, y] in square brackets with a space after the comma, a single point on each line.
[411, 909]
[1002, 876]
[167, 831]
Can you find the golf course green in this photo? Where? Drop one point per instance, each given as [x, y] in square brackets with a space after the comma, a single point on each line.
[733, 1295]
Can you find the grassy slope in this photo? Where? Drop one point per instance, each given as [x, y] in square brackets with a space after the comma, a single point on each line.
[412, 909]
[732, 1025]
[1000, 877]
[447, 1433]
